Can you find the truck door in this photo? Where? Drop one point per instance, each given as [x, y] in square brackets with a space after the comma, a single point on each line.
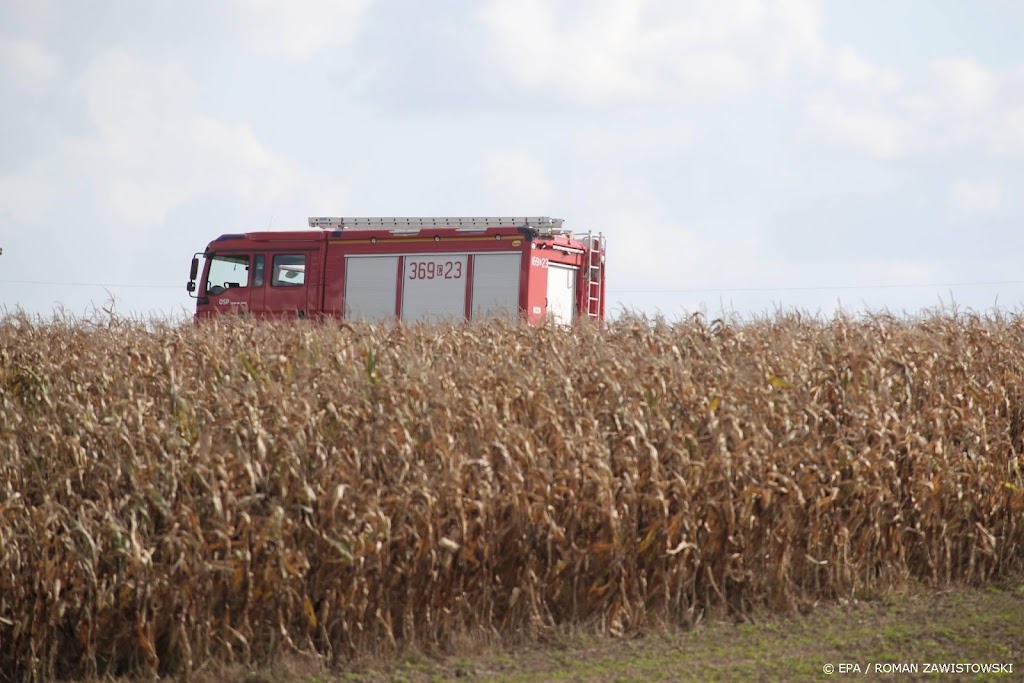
[227, 282]
[292, 279]
[561, 293]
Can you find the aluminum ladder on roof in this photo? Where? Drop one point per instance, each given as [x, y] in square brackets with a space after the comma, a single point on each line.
[594, 273]
[543, 224]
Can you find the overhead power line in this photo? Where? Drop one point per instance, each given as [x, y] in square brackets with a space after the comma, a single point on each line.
[89, 284]
[814, 288]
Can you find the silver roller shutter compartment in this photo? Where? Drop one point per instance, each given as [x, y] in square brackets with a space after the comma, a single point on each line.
[496, 285]
[371, 286]
[434, 287]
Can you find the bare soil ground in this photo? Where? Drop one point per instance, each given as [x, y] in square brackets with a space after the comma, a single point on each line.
[880, 639]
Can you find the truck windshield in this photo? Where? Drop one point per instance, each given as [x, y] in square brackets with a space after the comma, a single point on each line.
[227, 271]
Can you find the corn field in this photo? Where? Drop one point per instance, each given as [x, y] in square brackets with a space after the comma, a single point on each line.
[172, 497]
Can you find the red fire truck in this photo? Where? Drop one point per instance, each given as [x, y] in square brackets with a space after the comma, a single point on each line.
[406, 268]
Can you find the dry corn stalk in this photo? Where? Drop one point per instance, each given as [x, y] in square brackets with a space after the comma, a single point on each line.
[175, 495]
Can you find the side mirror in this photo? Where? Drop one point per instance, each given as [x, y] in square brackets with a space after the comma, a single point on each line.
[191, 286]
[195, 269]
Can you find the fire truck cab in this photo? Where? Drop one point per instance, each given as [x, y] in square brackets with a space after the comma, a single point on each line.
[411, 269]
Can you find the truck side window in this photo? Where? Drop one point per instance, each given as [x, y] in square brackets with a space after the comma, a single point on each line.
[227, 271]
[258, 269]
[289, 270]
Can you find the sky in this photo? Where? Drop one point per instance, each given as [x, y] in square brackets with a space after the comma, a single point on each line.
[741, 156]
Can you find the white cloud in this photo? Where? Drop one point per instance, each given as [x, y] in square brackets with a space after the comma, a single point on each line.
[1006, 136]
[796, 25]
[297, 29]
[963, 86]
[515, 179]
[151, 151]
[652, 142]
[977, 196]
[857, 109]
[870, 130]
[648, 50]
[853, 68]
[28, 64]
[124, 93]
[961, 106]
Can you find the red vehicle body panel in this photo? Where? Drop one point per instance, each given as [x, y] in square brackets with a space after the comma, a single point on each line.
[323, 274]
